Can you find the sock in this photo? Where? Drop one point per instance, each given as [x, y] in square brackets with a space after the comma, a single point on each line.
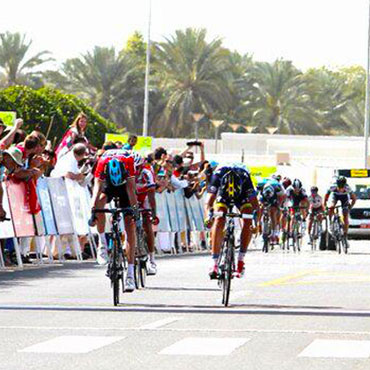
[102, 240]
[130, 270]
[151, 257]
[241, 256]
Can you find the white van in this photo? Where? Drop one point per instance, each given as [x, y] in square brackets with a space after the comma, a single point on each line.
[359, 181]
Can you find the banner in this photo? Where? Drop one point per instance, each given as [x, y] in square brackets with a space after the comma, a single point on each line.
[144, 143]
[8, 117]
[46, 207]
[6, 227]
[195, 214]
[180, 208]
[80, 210]
[162, 212]
[61, 207]
[259, 173]
[20, 209]
[172, 211]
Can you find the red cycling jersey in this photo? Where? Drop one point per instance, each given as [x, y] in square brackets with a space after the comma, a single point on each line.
[119, 154]
[144, 182]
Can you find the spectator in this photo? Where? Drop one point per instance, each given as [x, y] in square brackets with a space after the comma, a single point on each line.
[67, 166]
[8, 135]
[131, 142]
[77, 129]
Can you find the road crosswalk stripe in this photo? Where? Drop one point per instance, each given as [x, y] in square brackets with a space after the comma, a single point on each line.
[159, 323]
[195, 346]
[71, 344]
[337, 349]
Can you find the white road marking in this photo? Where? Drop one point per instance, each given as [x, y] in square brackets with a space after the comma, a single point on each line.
[71, 344]
[337, 349]
[204, 346]
[159, 323]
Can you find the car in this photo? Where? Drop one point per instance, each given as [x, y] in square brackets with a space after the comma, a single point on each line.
[359, 181]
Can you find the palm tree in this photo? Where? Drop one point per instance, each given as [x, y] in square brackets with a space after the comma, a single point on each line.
[15, 67]
[280, 99]
[193, 74]
[109, 81]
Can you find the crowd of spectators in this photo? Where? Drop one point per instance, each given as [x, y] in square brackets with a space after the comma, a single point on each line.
[28, 157]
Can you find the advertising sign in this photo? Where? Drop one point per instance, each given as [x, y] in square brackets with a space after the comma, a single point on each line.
[6, 227]
[144, 143]
[61, 207]
[46, 207]
[20, 209]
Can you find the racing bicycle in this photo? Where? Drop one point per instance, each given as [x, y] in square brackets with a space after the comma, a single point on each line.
[226, 260]
[340, 239]
[117, 261]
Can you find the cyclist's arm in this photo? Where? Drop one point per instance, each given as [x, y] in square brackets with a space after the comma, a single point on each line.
[353, 199]
[326, 198]
[210, 201]
[131, 191]
[97, 190]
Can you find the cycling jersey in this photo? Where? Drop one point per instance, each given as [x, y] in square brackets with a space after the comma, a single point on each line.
[144, 182]
[295, 198]
[315, 201]
[119, 154]
[342, 196]
[244, 189]
[119, 192]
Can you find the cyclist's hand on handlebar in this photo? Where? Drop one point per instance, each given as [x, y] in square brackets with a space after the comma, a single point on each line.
[92, 219]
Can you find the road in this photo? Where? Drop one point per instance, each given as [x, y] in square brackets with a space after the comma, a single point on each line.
[306, 311]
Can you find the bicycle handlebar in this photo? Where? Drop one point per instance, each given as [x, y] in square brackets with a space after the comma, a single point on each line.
[234, 215]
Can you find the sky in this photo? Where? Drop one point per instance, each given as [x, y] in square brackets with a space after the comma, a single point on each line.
[310, 33]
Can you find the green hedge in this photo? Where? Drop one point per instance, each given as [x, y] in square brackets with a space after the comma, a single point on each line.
[39, 107]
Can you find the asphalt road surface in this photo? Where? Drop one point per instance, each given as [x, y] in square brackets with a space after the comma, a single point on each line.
[290, 311]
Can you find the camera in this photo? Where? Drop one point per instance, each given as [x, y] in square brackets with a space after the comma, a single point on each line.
[193, 143]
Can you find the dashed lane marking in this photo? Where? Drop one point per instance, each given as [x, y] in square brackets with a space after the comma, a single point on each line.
[204, 346]
[71, 344]
[160, 323]
[337, 349]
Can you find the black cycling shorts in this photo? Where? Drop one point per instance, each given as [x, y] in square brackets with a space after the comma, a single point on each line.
[118, 192]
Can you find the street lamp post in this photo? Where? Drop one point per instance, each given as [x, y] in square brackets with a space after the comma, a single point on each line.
[147, 72]
[197, 117]
[367, 101]
[216, 124]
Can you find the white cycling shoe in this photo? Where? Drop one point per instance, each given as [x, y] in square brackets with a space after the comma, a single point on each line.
[102, 256]
[151, 268]
[129, 284]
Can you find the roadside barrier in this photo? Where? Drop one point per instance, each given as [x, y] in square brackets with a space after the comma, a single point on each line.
[64, 215]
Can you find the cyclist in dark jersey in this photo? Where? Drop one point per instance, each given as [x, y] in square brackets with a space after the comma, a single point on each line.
[230, 184]
[340, 191]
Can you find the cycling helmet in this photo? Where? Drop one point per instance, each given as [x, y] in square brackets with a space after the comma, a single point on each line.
[116, 172]
[268, 192]
[341, 182]
[314, 189]
[276, 177]
[138, 159]
[297, 184]
[261, 184]
[286, 182]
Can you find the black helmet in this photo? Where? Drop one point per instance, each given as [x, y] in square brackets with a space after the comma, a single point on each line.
[297, 184]
[341, 182]
[314, 189]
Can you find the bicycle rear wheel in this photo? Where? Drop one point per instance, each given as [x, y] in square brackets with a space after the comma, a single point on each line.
[229, 265]
[142, 272]
[137, 273]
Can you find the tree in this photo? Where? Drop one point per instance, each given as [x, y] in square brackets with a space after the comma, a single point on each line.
[280, 99]
[193, 74]
[108, 80]
[15, 67]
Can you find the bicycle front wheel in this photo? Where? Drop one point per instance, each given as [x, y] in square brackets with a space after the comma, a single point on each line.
[142, 273]
[228, 273]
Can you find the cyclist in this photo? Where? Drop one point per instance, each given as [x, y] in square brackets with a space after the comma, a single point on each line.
[316, 207]
[273, 196]
[342, 192]
[230, 184]
[115, 178]
[146, 186]
[297, 196]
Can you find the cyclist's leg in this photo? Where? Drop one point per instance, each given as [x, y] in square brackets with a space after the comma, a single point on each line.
[345, 209]
[274, 222]
[102, 252]
[310, 221]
